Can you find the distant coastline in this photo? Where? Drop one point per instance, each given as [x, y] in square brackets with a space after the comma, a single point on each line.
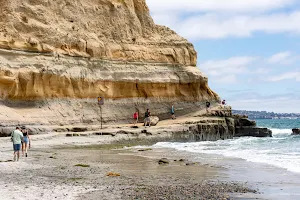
[266, 115]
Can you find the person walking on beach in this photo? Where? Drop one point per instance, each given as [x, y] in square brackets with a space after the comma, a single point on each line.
[147, 119]
[17, 138]
[136, 117]
[173, 112]
[26, 141]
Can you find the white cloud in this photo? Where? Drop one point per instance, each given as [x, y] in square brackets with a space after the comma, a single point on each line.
[167, 6]
[232, 65]
[216, 26]
[216, 19]
[285, 76]
[281, 57]
[261, 70]
[229, 79]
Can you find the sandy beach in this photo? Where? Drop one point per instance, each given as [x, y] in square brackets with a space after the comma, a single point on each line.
[60, 167]
[124, 167]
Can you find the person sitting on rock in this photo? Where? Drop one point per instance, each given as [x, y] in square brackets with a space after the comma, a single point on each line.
[147, 118]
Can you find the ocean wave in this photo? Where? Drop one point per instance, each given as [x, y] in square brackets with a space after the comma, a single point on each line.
[276, 131]
[259, 150]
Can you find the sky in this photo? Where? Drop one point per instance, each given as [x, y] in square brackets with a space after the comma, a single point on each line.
[249, 49]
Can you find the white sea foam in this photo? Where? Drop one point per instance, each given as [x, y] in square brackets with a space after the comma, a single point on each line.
[276, 131]
[281, 151]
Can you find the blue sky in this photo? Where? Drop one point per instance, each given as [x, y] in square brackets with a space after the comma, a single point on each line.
[249, 49]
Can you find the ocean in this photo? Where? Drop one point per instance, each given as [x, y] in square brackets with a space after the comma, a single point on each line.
[282, 150]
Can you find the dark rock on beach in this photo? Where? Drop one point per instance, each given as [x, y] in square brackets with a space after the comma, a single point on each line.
[245, 122]
[296, 131]
[79, 129]
[246, 127]
[252, 131]
[163, 161]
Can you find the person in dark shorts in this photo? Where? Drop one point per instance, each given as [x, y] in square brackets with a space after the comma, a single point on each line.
[207, 106]
[17, 138]
[147, 118]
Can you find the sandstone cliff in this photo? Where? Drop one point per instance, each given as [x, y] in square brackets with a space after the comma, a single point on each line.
[56, 57]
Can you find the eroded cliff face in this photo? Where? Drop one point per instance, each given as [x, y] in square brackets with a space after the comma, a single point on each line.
[56, 57]
[110, 29]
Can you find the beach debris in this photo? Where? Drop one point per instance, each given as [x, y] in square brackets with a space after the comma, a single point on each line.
[82, 165]
[69, 135]
[6, 161]
[182, 160]
[148, 149]
[134, 127]
[113, 174]
[190, 163]
[163, 161]
[53, 157]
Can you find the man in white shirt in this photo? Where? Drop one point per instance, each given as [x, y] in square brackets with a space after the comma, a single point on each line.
[17, 138]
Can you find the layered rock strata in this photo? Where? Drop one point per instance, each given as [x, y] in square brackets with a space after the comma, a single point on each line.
[56, 57]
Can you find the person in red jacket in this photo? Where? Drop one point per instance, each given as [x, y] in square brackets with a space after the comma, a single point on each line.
[136, 117]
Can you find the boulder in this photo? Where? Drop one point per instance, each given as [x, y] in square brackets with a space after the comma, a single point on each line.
[163, 161]
[245, 122]
[250, 131]
[154, 120]
[6, 131]
[60, 130]
[78, 129]
[296, 131]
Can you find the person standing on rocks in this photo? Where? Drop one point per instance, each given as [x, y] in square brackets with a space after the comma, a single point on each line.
[136, 117]
[173, 112]
[17, 138]
[147, 118]
[26, 141]
[207, 106]
[224, 102]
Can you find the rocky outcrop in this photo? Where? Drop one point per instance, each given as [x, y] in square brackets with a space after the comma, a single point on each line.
[296, 131]
[246, 127]
[154, 120]
[57, 57]
[244, 131]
